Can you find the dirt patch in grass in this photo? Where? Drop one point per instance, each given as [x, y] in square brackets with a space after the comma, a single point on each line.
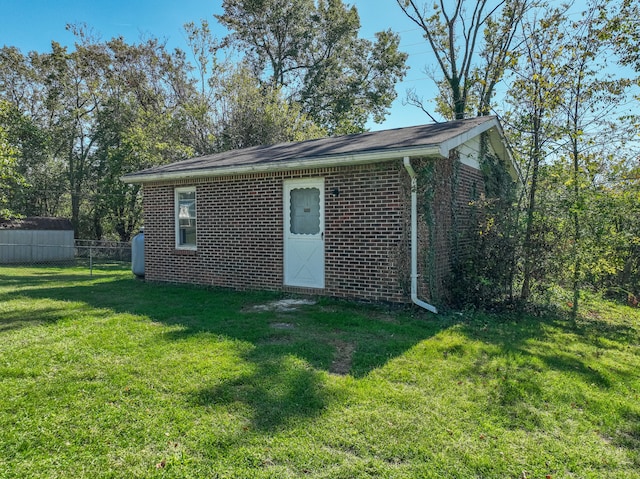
[343, 356]
[385, 317]
[277, 341]
[283, 305]
[282, 325]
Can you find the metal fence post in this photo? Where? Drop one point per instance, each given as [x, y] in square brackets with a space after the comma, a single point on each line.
[90, 262]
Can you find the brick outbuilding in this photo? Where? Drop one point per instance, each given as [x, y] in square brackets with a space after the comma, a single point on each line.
[343, 216]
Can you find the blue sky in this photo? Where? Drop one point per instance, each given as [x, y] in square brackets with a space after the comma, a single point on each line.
[33, 24]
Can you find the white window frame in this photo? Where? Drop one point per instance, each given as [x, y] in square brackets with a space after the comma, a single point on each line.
[177, 191]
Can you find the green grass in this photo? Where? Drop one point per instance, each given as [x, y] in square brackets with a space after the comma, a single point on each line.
[109, 376]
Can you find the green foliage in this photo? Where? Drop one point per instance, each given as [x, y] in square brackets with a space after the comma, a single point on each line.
[609, 236]
[28, 128]
[483, 278]
[252, 114]
[79, 118]
[10, 178]
[89, 116]
[613, 239]
[471, 42]
[534, 126]
[482, 242]
[572, 136]
[312, 52]
[620, 27]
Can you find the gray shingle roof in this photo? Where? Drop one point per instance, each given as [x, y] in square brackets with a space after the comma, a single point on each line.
[362, 143]
[41, 223]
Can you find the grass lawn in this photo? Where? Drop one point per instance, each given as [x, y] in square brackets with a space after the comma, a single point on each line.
[111, 377]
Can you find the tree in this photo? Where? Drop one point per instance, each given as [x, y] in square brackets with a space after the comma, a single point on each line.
[570, 129]
[89, 116]
[71, 100]
[594, 130]
[535, 95]
[10, 178]
[612, 234]
[311, 51]
[343, 90]
[198, 113]
[251, 114]
[145, 92]
[459, 39]
[29, 127]
[273, 35]
[622, 29]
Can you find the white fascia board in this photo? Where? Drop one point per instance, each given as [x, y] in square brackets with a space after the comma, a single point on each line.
[301, 163]
[456, 141]
[498, 142]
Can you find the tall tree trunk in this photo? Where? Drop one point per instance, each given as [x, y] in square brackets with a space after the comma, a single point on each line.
[576, 231]
[74, 190]
[527, 246]
[575, 153]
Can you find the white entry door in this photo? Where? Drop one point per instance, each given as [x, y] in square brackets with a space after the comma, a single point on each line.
[304, 233]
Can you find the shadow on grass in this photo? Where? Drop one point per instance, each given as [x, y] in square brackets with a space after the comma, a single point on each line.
[279, 391]
[39, 278]
[628, 436]
[520, 350]
[529, 336]
[290, 352]
[21, 317]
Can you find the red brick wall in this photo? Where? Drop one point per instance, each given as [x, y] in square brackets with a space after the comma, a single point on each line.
[367, 232]
[451, 222]
[240, 232]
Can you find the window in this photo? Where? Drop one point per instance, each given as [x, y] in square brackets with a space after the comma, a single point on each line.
[305, 211]
[185, 218]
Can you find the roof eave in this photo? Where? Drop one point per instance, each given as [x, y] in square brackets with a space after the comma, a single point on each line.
[501, 147]
[300, 163]
[498, 142]
[461, 138]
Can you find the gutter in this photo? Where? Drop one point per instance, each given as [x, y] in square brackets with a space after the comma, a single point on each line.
[377, 156]
[414, 238]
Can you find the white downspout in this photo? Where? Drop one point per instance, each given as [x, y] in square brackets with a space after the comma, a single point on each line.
[414, 238]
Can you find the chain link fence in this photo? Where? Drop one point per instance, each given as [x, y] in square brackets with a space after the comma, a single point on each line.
[92, 254]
